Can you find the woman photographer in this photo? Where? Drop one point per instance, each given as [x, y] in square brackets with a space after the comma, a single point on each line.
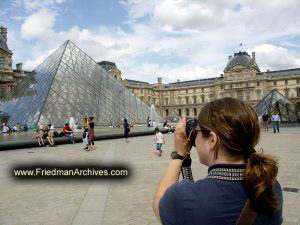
[226, 134]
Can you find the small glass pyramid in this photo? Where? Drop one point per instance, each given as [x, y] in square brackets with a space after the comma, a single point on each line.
[276, 102]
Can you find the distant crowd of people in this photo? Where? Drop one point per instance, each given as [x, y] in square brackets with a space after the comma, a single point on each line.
[265, 119]
[4, 128]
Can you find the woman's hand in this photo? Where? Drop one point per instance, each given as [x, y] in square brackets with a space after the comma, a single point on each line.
[180, 139]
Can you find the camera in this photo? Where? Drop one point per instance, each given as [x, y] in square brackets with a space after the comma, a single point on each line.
[191, 124]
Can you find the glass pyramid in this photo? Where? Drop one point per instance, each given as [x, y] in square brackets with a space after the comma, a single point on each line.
[276, 102]
[71, 84]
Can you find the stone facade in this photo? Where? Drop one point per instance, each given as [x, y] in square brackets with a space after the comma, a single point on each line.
[111, 68]
[241, 79]
[8, 77]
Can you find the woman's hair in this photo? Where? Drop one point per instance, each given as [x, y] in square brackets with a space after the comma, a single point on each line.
[37, 129]
[236, 124]
[156, 129]
[125, 120]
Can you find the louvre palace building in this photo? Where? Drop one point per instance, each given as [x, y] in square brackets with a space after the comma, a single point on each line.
[9, 78]
[242, 79]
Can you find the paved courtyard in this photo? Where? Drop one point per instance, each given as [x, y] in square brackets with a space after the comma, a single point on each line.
[64, 202]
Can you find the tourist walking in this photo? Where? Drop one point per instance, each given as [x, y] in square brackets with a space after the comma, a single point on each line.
[36, 136]
[85, 135]
[265, 120]
[91, 125]
[275, 122]
[148, 122]
[238, 177]
[159, 140]
[126, 129]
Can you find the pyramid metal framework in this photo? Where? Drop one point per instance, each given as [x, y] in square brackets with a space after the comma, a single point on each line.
[71, 84]
[276, 102]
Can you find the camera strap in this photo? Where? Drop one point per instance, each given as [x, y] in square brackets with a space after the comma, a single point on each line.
[247, 216]
[186, 169]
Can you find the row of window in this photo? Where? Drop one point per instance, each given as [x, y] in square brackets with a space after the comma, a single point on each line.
[186, 112]
[240, 95]
[286, 82]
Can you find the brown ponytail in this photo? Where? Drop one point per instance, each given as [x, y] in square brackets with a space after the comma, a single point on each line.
[260, 177]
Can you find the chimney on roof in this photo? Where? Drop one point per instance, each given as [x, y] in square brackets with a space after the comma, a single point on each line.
[159, 80]
[253, 57]
[3, 32]
[19, 67]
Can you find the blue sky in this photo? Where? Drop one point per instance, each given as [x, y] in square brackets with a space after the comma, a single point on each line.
[174, 39]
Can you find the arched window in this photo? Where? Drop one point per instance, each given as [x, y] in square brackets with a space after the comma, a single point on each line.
[179, 112]
[167, 112]
[195, 111]
[187, 112]
[1, 62]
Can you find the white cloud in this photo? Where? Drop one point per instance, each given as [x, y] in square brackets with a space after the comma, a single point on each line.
[38, 25]
[201, 33]
[274, 57]
[36, 5]
[138, 8]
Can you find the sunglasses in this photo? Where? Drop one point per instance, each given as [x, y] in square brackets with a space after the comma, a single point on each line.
[196, 130]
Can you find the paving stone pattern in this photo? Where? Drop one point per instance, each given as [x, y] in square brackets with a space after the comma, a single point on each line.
[127, 202]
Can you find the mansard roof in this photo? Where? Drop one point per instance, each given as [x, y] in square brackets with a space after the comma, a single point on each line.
[194, 82]
[136, 82]
[241, 58]
[280, 73]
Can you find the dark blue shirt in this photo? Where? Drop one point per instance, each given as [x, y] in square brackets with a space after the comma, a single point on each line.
[211, 201]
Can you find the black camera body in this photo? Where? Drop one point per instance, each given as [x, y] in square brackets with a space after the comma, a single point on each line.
[191, 124]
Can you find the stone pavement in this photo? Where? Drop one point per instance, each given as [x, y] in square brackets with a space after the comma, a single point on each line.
[67, 202]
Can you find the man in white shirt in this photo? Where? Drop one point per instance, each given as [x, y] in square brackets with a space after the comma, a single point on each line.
[153, 123]
[5, 129]
[275, 122]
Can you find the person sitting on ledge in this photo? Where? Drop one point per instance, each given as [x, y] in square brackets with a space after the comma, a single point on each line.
[47, 135]
[227, 132]
[36, 136]
[68, 132]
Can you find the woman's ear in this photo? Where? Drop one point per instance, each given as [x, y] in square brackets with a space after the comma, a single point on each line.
[213, 139]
